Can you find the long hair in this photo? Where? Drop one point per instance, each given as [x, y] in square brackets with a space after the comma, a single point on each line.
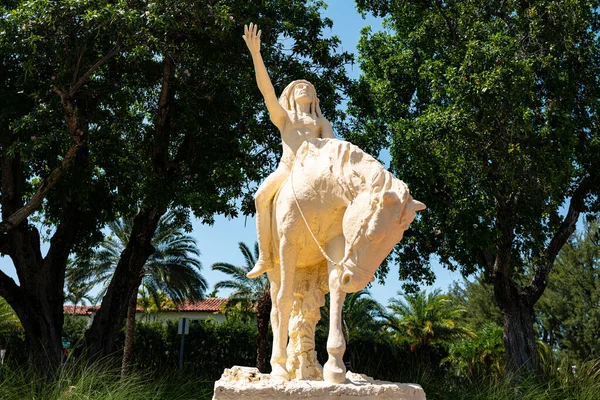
[288, 101]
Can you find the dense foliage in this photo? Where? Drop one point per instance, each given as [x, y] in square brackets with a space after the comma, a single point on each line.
[491, 110]
[127, 109]
[210, 347]
[569, 312]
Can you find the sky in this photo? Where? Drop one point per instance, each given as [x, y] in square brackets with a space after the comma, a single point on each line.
[219, 242]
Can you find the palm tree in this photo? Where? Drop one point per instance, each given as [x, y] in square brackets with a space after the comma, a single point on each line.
[172, 270]
[426, 318]
[77, 290]
[249, 293]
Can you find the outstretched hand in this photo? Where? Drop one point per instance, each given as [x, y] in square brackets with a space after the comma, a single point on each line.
[252, 38]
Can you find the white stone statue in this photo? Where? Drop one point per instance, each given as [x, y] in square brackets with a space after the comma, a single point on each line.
[298, 117]
[326, 219]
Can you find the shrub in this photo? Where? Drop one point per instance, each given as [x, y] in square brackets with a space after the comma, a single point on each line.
[479, 357]
[74, 329]
[209, 348]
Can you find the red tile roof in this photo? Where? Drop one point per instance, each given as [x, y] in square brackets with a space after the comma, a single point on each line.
[210, 304]
[79, 310]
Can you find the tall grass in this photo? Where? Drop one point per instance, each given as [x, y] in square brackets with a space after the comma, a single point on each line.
[563, 384]
[77, 381]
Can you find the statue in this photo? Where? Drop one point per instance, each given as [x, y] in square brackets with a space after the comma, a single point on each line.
[298, 117]
[326, 219]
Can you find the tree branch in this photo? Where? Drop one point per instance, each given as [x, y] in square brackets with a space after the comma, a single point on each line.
[76, 71]
[11, 292]
[489, 259]
[36, 200]
[449, 24]
[160, 155]
[561, 236]
[4, 244]
[506, 235]
[100, 62]
[76, 132]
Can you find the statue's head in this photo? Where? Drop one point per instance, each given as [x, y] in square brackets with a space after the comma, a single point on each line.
[299, 92]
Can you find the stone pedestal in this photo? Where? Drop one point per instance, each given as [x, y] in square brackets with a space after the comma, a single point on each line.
[249, 384]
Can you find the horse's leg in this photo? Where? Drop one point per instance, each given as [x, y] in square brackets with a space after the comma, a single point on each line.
[334, 370]
[275, 283]
[288, 256]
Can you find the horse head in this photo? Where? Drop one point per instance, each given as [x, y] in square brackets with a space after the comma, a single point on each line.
[372, 225]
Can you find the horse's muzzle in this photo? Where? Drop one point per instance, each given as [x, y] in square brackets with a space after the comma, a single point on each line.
[351, 281]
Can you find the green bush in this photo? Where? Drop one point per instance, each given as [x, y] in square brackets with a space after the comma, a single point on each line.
[13, 341]
[482, 357]
[209, 348]
[74, 328]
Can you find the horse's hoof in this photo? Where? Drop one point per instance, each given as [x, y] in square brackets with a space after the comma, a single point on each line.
[279, 372]
[333, 373]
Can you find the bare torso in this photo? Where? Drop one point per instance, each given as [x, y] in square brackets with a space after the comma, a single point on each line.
[294, 133]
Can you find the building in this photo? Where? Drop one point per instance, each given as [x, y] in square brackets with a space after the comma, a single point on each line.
[201, 309]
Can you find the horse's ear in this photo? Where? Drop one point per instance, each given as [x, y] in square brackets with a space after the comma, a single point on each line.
[417, 205]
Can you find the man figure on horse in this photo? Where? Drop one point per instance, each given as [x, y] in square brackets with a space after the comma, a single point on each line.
[298, 117]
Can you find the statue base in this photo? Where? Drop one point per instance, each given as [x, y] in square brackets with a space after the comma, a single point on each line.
[249, 384]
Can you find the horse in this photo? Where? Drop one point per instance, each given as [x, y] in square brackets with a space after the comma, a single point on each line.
[341, 205]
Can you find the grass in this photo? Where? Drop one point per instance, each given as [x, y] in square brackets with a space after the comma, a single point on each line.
[584, 384]
[77, 381]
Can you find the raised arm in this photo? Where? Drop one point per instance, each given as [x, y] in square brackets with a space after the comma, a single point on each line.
[277, 113]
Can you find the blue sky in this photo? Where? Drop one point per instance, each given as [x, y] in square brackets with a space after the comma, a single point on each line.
[219, 243]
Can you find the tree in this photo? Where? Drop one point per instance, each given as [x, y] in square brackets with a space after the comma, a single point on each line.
[477, 298]
[568, 314]
[491, 109]
[250, 294]
[483, 355]
[48, 59]
[426, 318]
[140, 107]
[77, 291]
[172, 270]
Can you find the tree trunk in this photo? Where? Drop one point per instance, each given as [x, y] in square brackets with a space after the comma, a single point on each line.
[425, 355]
[38, 301]
[100, 338]
[129, 335]
[263, 314]
[42, 323]
[110, 318]
[519, 336]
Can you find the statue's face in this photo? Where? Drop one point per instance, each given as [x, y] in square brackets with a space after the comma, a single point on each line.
[303, 93]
